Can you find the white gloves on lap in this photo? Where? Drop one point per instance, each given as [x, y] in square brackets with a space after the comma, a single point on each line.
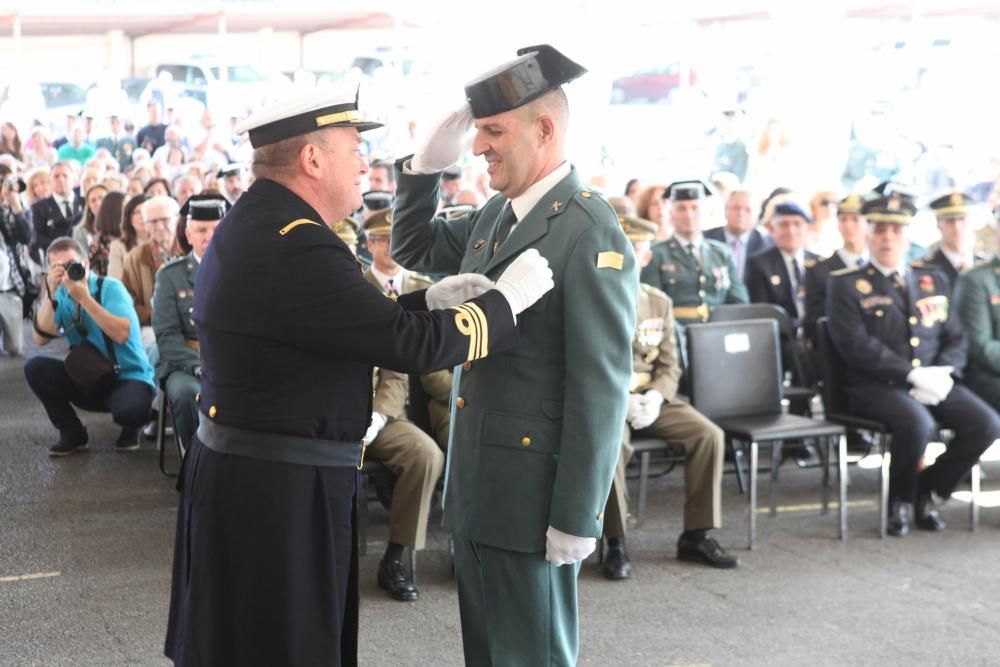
[648, 409]
[446, 143]
[454, 290]
[931, 383]
[378, 422]
[525, 281]
[563, 549]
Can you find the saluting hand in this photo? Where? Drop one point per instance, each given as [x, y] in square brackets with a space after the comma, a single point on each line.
[447, 141]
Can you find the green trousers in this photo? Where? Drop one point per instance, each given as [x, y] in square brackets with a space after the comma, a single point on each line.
[517, 609]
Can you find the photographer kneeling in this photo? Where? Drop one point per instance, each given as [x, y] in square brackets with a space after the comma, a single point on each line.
[106, 369]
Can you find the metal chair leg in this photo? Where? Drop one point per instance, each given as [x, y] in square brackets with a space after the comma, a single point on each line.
[413, 566]
[643, 484]
[842, 483]
[741, 481]
[826, 456]
[362, 514]
[752, 523]
[974, 502]
[776, 446]
[883, 491]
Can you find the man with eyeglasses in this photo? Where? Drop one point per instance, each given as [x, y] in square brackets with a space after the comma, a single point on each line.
[159, 216]
[98, 311]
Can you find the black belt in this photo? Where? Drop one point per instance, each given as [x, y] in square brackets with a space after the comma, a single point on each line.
[280, 447]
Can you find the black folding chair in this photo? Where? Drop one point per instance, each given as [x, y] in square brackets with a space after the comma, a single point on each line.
[163, 415]
[736, 382]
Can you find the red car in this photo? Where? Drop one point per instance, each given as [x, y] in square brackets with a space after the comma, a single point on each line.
[650, 86]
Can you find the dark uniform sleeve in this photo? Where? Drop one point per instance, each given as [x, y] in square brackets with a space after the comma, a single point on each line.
[953, 349]
[974, 308]
[175, 355]
[815, 298]
[328, 308]
[421, 241]
[860, 350]
[756, 284]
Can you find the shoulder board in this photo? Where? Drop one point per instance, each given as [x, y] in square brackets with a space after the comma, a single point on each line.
[845, 271]
[654, 293]
[809, 263]
[297, 223]
[423, 281]
[176, 261]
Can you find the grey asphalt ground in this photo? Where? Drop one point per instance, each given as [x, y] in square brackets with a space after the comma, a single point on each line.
[100, 525]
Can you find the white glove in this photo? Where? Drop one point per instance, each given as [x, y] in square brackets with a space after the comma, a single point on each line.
[934, 380]
[635, 402]
[379, 420]
[563, 549]
[649, 410]
[925, 397]
[446, 143]
[525, 281]
[454, 290]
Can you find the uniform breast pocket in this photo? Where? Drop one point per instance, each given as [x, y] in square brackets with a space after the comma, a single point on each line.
[521, 434]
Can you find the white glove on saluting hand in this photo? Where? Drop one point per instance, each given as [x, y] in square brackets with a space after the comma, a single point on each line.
[378, 421]
[563, 549]
[446, 143]
[649, 410]
[454, 290]
[525, 281]
[933, 381]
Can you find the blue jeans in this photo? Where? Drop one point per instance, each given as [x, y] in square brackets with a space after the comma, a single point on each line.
[128, 401]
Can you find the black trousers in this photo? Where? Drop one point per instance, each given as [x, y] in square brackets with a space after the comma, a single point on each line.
[913, 425]
[128, 401]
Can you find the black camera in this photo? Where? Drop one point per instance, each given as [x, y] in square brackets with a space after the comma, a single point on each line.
[15, 184]
[74, 270]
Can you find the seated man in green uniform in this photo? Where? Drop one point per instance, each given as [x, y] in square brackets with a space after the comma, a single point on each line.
[655, 411]
[977, 298]
[179, 363]
[695, 272]
[392, 439]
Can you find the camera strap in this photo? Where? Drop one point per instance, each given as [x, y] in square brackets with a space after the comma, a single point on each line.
[110, 344]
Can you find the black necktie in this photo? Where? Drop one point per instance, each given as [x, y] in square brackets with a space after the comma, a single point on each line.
[67, 211]
[899, 282]
[504, 223]
[694, 256]
[798, 272]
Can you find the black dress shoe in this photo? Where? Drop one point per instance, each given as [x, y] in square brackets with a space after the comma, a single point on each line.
[128, 440]
[900, 517]
[706, 551]
[69, 444]
[393, 578]
[616, 565]
[928, 517]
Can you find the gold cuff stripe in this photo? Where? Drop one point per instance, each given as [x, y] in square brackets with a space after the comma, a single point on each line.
[330, 119]
[466, 326]
[295, 223]
[484, 328]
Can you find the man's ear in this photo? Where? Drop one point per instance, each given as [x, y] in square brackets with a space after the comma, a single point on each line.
[546, 129]
[309, 160]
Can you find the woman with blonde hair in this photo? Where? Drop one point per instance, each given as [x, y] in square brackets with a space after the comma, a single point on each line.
[38, 151]
[822, 236]
[39, 185]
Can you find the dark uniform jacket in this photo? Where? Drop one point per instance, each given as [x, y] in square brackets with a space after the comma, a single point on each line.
[536, 432]
[50, 223]
[817, 277]
[768, 281]
[883, 333]
[944, 265]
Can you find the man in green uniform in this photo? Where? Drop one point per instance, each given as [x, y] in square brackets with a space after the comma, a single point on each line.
[119, 143]
[536, 432]
[695, 272]
[977, 297]
[179, 363]
[655, 411]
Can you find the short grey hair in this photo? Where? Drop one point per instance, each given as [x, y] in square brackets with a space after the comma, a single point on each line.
[160, 201]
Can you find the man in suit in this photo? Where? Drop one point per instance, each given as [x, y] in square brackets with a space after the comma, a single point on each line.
[977, 298]
[55, 215]
[536, 433]
[739, 232]
[394, 440]
[656, 411]
[777, 275]
[904, 352]
[956, 252]
[289, 331]
[178, 364]
[853, 230]
[695, 272]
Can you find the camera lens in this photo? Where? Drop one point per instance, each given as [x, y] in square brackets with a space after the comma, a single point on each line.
[74, 270]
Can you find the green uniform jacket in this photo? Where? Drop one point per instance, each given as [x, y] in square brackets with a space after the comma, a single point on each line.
[695, 291]
[536, 431]
[173, 299]
[977, 297]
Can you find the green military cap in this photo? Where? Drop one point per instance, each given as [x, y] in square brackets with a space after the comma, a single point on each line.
[378, 223]
[852, 203]
[894, 209]
[686, 190]
[952, 205]
[537, 70]
[637, 229]
[347, 230]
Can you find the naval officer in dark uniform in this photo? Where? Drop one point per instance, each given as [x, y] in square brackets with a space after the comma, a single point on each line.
[904, 351]
[265, 560]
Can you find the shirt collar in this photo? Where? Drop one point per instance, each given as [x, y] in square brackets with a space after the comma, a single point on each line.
[799, 257]
[527, 200]
[889, 270]
[850, 259]
[383, 278]
[683, 243]
[744, 237]
[957, 259]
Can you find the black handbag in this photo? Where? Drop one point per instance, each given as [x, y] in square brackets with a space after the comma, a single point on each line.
[93, 373]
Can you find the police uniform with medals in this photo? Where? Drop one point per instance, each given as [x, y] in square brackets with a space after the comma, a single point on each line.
[655, 366]
[265, 559]
[818, 274]
[695, 279]
[977, 299]
[120, 147]
[179, 364]
[952, 205]
[535, 433]
[884, 327]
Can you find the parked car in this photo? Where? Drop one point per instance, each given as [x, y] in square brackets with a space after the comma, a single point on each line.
[650, 86]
